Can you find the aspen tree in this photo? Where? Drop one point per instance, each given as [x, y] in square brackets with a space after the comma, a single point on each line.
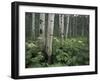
[61, 27]
[49, 40]
[67, 25]
[42, 29]
[33, 26]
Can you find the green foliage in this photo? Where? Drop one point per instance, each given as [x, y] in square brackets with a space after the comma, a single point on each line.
[34, 56]
[73, 52]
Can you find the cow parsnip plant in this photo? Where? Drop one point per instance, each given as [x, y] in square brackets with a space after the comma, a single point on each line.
[73, 52]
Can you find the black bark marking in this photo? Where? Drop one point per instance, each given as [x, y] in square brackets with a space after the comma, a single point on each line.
[41, 21]
[41, 31]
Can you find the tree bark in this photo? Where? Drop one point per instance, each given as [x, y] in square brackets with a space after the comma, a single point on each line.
[61, 27]
[87, 26]
[67, 25]
[42, 29]
[33, 26]
[75, 25]
[50, 36]
[70, 26]
[83, 25]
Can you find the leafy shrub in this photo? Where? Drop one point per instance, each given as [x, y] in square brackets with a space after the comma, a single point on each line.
[73, 52]
[34, 56]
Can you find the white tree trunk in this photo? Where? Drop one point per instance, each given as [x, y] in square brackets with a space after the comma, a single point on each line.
[61, 27]
[42, 29]
[50, 36]
[73, 31]
[70, 26]
[33, 26]
[67, 26]
[76, 25]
